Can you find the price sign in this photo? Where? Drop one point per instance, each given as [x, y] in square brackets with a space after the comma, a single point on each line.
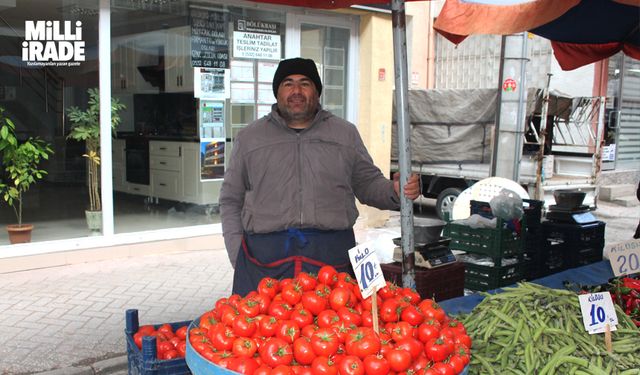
[598, 311]
[624, 257]
[367, 268]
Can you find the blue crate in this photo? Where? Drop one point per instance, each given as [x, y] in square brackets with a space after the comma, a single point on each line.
[145, 361]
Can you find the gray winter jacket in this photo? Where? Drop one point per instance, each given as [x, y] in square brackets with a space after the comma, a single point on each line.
[278, 178]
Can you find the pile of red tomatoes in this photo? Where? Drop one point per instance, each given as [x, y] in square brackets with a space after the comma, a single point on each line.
[170, 344]
[322, 325]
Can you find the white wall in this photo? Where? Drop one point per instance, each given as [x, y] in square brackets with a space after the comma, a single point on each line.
[578, 82]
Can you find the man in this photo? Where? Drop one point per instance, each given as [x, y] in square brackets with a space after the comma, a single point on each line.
[288, 197]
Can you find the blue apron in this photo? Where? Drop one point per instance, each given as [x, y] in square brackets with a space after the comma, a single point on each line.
[286, 253]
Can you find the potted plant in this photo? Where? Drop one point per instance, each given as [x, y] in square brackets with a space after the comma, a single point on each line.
[86, 128]
[20, 161]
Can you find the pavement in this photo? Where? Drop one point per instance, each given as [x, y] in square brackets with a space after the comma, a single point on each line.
[70, 320]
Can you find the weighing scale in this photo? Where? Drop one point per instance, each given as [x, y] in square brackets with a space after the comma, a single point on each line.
[434, 254]
[579, 215]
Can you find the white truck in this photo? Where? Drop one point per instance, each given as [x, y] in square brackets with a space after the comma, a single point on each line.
[452, 147]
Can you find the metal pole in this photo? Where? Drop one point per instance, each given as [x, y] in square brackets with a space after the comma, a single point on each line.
[542, 139]
[404, 140]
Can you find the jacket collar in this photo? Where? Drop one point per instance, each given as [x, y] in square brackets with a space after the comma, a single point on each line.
[275, 117]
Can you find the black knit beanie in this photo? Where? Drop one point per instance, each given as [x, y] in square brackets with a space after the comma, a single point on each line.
[305, 67]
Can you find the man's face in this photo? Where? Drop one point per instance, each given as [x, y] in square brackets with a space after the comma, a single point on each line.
[297, 98]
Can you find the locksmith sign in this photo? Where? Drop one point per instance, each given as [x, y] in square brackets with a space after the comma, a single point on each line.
[257, 40]
[53, 43]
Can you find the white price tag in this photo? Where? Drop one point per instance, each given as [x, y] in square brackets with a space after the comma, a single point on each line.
[598, 311]
[367, 268]
[624, 257]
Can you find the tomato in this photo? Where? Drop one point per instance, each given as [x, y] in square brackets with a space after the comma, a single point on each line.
[323, 289]
[350, 316]
[222, 337]
[308, 331]
[456, 363]
[269, 287]
[362, 341]
[181, 332]
[419, 363]
[244, 347]
[228, 314]
[376, 365]
[301, 316]
[324, 342]
[288, 331]
[428, 330]
[388, 291]
[340, 297]
[327, 275]
[244, 326]
[314, 301]
[432, 310]
[462, 339]
[207, 320]
[182, 348]
[291, 293]
[456, 327]
[262, 370]
[443, 368]
[249, 307]
[170, 354]
[268, 326]
[280, 310]
[303, 351]
[412, 345]
[402, 330]
[366, 318]
[411, 295]
[306, 281]
[166, 329]
[323, 366]
[163, 347]
[351, 365]
[327, 318]
[342, 330]
[399, 360]
[243, 365]
[438, 349]
[146, 330]
[389, 310]
[137, 338]
[412, 315]
[281, 370]
[463, 352]
[276, 352]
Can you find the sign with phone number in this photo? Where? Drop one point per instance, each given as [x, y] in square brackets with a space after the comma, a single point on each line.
[624, 257]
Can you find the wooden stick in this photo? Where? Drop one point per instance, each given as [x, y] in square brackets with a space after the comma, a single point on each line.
[607, 338]
[374, 309]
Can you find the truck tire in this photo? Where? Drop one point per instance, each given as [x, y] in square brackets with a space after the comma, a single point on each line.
[445, 201]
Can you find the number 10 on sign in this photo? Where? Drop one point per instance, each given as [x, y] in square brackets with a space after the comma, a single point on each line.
[367, 269]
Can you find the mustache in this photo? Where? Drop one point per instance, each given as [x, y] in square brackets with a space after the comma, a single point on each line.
[296, 97]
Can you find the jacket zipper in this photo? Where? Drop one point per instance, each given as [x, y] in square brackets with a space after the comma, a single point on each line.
[300, 178]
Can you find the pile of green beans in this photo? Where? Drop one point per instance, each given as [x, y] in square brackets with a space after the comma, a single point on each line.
[531, 329]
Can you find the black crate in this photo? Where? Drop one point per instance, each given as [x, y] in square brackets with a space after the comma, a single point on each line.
[438, 283]
[145, 361]
[567, 245]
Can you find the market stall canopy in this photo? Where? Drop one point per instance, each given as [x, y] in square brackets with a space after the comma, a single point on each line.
[581, 31]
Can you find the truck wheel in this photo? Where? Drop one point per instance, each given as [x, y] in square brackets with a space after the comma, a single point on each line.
[445, 201]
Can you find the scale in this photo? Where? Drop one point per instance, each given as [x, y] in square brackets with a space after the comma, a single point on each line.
[430, 255]
[579, 215]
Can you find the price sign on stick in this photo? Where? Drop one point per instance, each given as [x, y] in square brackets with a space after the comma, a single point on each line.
[624, 257]
[598, 312]
[367, 268]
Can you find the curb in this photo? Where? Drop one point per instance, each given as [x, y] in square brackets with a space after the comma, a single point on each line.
[105, 367]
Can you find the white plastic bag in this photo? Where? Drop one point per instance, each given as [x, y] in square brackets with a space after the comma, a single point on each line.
[507, 205]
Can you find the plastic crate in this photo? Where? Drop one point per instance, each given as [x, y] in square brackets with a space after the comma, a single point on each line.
[567, 246]
[532, 210]
[440, 283]
[495, 242]
[145, 361]
[482, 278]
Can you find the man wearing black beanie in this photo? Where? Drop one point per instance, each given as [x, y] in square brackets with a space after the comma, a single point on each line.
[288, 198]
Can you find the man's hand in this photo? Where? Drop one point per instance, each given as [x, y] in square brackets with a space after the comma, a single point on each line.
[411, 189]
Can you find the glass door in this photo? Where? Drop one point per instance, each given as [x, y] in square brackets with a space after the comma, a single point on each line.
[331, 44]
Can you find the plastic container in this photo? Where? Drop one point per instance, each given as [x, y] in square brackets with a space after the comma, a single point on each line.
[494, 242]
[482, 278]
[145, 361]
[439, 284]
[197, 364]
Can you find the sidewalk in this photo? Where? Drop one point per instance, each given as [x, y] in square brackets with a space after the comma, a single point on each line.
[72, 318]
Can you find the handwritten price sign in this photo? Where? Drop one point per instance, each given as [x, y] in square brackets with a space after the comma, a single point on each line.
[367, 268]
[598, 311]
[624, 257]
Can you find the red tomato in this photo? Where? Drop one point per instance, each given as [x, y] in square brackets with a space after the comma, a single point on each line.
[314, 301]
[308, 331]
[182, 348]
[323, 366]
[276, 352]
[463, 352]
[367, 318]
[146, 330]
[306, 281]
[288, 331]
[463, 340]
[412, 315]
[281, 370]
[428, 330]
[303, 351]
[166, 329]
[249, 307]
[389, 310]
[376, 365]
[438, 349]
[181, 332]
[342, 330]
[411, 295]
[327, 275]
[301, 316]
[412, 345]
[228, 314]
[291, 293]
[170, 354]
[340, 297]
[443, 368]
[280, 310]
[324, 342]
[432, 310]
[244, 326]
[162, 347]
[268, 326]
[351, 365]
[262, 370]
[399, 360]
[327, 318]
[269, 287]
[388, 291]
[362, 341]
[350, 316]
[222, 337]
[244, 347]
[457, 363]
[402, 330]
[243, 365]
